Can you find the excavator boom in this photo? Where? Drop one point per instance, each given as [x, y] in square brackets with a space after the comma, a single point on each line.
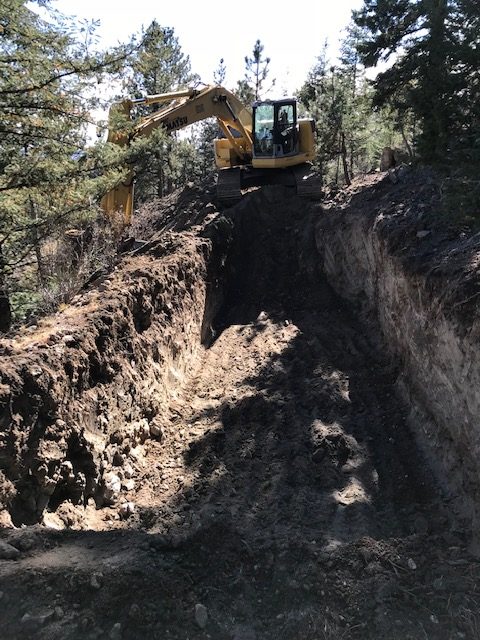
[241, 146]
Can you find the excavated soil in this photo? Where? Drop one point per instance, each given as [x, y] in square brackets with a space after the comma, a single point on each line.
[276, 493]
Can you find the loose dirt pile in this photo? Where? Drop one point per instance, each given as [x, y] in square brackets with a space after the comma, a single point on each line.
[227, 449]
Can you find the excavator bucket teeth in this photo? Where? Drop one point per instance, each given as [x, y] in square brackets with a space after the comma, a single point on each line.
[308, 182]
[229, 186]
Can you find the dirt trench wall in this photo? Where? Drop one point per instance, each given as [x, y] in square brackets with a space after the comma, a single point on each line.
[81, 392]
[437, 353]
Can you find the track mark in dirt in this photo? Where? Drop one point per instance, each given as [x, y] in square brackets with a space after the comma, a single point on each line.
[282, 435]
[286, 500]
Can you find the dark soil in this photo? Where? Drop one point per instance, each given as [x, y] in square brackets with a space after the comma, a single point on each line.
[424, 229]
[286, 498]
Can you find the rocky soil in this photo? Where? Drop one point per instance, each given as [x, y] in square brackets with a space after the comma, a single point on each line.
[390, 247]
[211, 442]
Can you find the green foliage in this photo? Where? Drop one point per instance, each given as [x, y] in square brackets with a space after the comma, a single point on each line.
[254, 85]
[48, 180]
[158, 66]
[203, 140]
[433, 78]
[220, 73]
[350, 133]
[460, 197]
[244, 92]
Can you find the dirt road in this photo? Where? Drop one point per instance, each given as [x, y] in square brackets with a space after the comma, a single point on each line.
[286, 500]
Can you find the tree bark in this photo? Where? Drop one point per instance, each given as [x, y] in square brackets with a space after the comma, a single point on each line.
[41, 275]
[348, 182]
[405, 140]
[5, 308]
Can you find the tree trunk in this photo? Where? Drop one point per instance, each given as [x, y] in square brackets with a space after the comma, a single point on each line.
[405, 140]
[435, 107]
[348, 182]
[354, 95]
[41, 276]
[160, 179]
[5, 308]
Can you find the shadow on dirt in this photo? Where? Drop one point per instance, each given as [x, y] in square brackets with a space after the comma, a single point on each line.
[312, 515]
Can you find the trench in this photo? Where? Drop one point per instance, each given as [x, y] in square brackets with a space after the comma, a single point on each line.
[286, 493]
[292, 422]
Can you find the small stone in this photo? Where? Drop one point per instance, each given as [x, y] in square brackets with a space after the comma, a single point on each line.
[8, 551]
[70, 341]
[210, 208]
[434, 618]
[113, 485]
[127, 509]
[38, 619]
[115, 631]
[118, 459]
[52, 521]
[411, 564]
[156, 431]
[134, 611]
[423, 234]
[128, 470]
[201, 615]
[96, 581]
[66, 469]
[59, 613]
[128, 485]
[262, 316]
[36, 372]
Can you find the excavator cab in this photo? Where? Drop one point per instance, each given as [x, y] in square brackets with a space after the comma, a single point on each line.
[275, 129]
[267, 144]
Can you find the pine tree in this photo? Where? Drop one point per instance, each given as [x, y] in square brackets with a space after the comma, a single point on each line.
[244, 92]
[45, 183]
[253, 86]
[350, 133]
[159, 66]
[419, 36]
[220, 73]
[324, 103]
[466, 80]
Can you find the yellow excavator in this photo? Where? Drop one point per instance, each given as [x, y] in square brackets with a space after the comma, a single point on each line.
[263, 144]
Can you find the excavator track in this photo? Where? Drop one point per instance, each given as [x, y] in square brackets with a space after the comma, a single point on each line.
[308, 183]
[229, 186]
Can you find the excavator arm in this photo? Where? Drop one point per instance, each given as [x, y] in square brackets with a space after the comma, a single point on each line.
[183, 108]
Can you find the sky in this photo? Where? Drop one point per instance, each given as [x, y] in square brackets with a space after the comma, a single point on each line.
[293, 35]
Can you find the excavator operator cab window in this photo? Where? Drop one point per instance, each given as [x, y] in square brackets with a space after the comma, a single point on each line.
[275, 129]
[264, 115]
